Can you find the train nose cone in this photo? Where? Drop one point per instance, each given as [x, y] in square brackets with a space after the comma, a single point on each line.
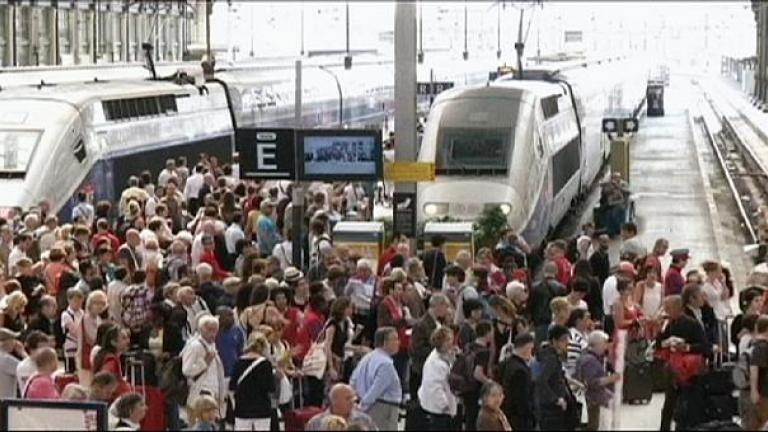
[465, 200]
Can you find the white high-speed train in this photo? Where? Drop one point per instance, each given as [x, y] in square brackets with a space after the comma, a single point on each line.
[530, 147]
[87, 134]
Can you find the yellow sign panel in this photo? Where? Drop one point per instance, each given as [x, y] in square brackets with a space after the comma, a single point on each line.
[409, 171]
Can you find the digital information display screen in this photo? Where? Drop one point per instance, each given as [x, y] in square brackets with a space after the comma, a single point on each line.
[351, 155]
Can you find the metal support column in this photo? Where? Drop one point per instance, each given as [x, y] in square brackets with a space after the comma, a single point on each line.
[405, 90]
[297, 212]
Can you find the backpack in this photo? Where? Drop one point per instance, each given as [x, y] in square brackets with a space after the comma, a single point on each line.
[173, 382]
[315, 257]
[462, 375]
[740, 372]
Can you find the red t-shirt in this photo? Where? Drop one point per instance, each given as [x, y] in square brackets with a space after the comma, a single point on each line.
[563, 270]
[112, 365]
[219, 273]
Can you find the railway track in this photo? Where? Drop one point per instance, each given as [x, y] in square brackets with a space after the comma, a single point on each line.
[743, 158]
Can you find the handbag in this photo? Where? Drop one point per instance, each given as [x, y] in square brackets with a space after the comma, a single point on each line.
[316, 360]
[684, 365]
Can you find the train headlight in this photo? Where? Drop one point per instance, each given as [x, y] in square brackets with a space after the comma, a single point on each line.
[433, 209]
[505, 208]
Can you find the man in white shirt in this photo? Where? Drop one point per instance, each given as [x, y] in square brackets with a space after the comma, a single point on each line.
[192, 189]
[83, 210]
[22, 243]
[361, 286]
[234, 232]
[168, 173]
[610, 293]
[46, 234]
[201, 364]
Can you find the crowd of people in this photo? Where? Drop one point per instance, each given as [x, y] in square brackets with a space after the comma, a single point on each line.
[188, 285]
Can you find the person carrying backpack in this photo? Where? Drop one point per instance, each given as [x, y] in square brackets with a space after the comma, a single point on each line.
[471, 371]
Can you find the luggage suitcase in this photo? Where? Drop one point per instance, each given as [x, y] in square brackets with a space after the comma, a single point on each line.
[155, 419]
[658, 374]
[721, 407]
[298, 416]
[297, 419]
[61, 381]
[689, 412]
[638, 383]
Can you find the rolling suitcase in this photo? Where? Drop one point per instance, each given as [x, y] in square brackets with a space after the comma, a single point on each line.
[638, 383]
[297, 418]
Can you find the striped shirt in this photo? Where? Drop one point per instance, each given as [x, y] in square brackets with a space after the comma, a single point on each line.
[577, 343]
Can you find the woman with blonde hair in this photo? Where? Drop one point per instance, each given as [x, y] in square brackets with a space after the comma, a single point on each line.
[12, 307]
[87, 330]
[203, 413]
[252, 381]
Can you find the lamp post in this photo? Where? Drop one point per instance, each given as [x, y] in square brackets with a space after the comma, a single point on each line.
[341, 94]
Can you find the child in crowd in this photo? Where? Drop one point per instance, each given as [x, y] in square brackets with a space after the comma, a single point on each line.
[204, 413]
[70, 318]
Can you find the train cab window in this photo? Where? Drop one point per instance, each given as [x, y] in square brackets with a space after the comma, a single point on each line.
[549, 106]
[474, 151]
[16, 149]
[79, 150]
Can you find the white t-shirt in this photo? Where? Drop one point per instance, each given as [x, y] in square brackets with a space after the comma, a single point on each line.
[24, 371]
[610, 294]
[233, 233]
[713, 291]
[652, 298]
[284, 252]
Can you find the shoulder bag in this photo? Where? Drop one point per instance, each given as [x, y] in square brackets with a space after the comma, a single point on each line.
[316, 360]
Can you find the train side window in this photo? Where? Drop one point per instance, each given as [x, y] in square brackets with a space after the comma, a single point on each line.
[79, 150]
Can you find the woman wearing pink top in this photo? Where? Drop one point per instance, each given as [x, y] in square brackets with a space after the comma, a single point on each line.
[41, 385]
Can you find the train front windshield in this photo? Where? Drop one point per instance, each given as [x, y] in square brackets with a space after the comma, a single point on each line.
[475, 137]
[472, 151]
[16, 147]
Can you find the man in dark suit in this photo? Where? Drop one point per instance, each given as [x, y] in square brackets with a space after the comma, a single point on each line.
[421, 347]
[682, 334]
[435, 262]
[600, 260]
[515, 378]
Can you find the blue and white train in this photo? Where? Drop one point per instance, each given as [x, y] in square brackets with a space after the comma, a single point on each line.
[530, 147]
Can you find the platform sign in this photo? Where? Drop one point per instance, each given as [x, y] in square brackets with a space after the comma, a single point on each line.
[432, 88]
[266, 153]
[404, 214]
[409, 171]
